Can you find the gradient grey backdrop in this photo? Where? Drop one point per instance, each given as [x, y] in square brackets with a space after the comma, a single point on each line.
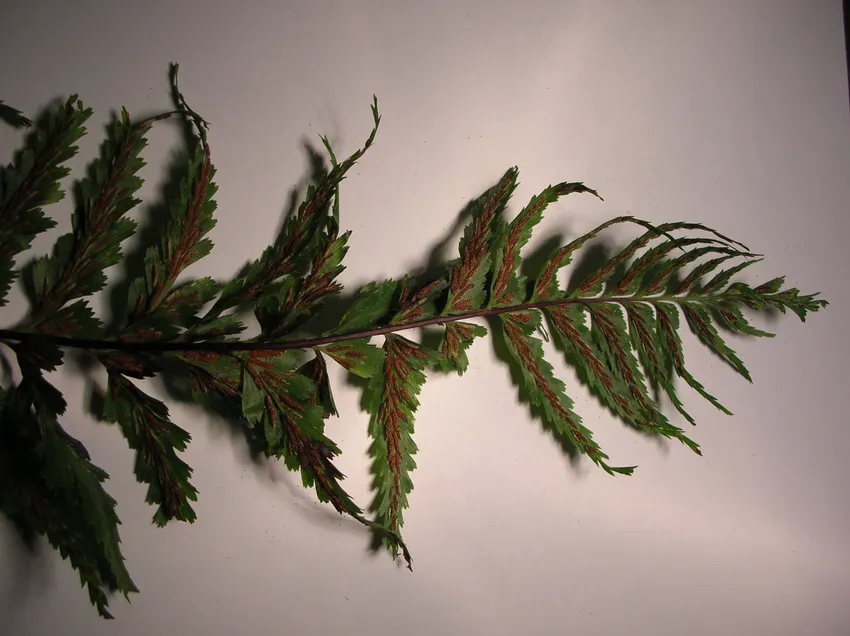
[733, 113]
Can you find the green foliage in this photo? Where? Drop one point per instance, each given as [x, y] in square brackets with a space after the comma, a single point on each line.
[618, 327]
[391, 400]
[51, 488]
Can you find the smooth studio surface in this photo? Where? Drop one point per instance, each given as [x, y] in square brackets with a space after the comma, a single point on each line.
[730, 113]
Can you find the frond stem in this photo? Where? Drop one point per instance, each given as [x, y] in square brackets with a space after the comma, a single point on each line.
[255, 345]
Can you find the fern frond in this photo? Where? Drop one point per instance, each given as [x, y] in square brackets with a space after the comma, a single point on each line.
[299, 231]
[649, 332]
[466, 282]
[158, 307]
[391, 400]
[417, 304]
[146, 426]
[547, 393]
[298, 299]
[372, 303]
[316, 370]
[183, 242]
[76, 267]
[618, 327]
[456, 341]
[507, 288]
[356, 356]
[51, 488]
[31, 182]
[285, 405]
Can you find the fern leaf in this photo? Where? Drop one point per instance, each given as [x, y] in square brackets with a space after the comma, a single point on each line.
[183, 302]
[507, 288]
[213, 372]
[288, 305]
[215, 328]
[76, 320]
[418, 304]
[32, 181]
[700, 324]
[770, 295]
[64, 466]
[290, 409]
[286, 405]
[299, 231]
[698, 272]
[216, 381]
[668, 325]
[605, 364]
[625, 350]
[316, 370]
[184, 242]
[547, 395]
[659, 279]
[76, 267]
[593, 283]
[572, 337]
[618, 327]
[281, 401]
[643, 331]
[391, 400]
[145, 423]
[372, 302]
[634, 339]
[357, 356]
[455, 343]
[654, 259]
[52, 488]
[546, 286]
[723, 277]
[466, 282]
[609, 331]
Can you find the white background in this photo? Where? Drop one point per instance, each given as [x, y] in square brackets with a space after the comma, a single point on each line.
[733, 113]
